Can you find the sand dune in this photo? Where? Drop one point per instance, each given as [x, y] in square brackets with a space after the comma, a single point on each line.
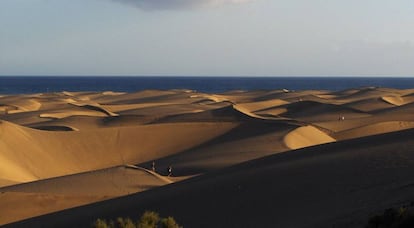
[69, 113]
[80, 151]
[292, 96]
[260, 105]
[370, 92]
[370, 104]
[272, 112]
[373, 129]
[81, 147]
[313, 111]
[306, 136]
[21, 105]
[90, 187]
[308, 184]
[147, 96]
[402, 113]
[54, 128]
[399, 100]
[127, 107]
[21, 205]
[245, 142]
[95, 107]
[226, 113]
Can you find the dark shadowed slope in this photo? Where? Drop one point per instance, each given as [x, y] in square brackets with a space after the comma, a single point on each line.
[339, 184]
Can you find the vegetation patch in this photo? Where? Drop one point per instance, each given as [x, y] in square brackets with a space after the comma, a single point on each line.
[402, 217]
[149, 219]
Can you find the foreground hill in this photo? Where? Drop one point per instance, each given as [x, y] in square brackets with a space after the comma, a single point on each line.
[332, 185]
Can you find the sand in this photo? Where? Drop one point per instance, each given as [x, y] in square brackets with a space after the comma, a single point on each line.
[272, 158]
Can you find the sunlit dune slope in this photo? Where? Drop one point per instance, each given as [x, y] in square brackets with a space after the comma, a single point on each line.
[29, 154]
[41, 197]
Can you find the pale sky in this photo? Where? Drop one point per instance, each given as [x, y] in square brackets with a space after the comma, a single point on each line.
[207, 37]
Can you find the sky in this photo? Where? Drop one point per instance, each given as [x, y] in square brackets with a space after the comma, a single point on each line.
[207, 37]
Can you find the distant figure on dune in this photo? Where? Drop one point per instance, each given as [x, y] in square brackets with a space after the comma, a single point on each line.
[169, 171]
[341, 118]
[153, 166]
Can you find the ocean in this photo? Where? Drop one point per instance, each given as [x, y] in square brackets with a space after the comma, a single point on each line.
[43, 84]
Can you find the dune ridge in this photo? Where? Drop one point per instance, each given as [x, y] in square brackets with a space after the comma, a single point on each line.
[305, 137]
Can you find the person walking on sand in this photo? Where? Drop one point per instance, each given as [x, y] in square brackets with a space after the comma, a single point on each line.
[153, 166]
[169, 171]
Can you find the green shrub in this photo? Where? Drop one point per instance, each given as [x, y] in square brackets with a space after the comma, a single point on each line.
[169, 222]
[125, 223]
[101, 223]
[149, 219]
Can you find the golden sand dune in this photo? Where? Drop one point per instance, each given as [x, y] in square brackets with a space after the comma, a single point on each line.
[312, 111]
[74, 190]
[291, 96]
[79, 151]
[370, 104]
[165, 110]
[370, 92]
[128, 107]
[4, 182]
[74, 146]
[261, 109]
[75, 122]
[15, 104]
[49, 127]
[146, 96]
[306, 136]
[247, 141]
[363, 176]
[236, 96]
[373, 129]
[224, 112]
[22, 205]
[260, 105]
[68, 113]
[394, 100]
[112, 93]
[273, 112]
[403, 112]
[399, 100]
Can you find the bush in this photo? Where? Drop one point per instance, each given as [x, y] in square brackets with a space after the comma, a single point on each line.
[125, 223]
[393, 218]
[149, 219]
[169, 223]
[101, 223]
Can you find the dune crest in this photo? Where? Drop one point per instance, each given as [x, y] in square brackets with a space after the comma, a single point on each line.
[394, 100]
[306, 136]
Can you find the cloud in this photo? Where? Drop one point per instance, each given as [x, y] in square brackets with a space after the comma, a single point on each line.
[178, 4]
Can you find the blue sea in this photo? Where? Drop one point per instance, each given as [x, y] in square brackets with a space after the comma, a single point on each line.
[41, 84]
